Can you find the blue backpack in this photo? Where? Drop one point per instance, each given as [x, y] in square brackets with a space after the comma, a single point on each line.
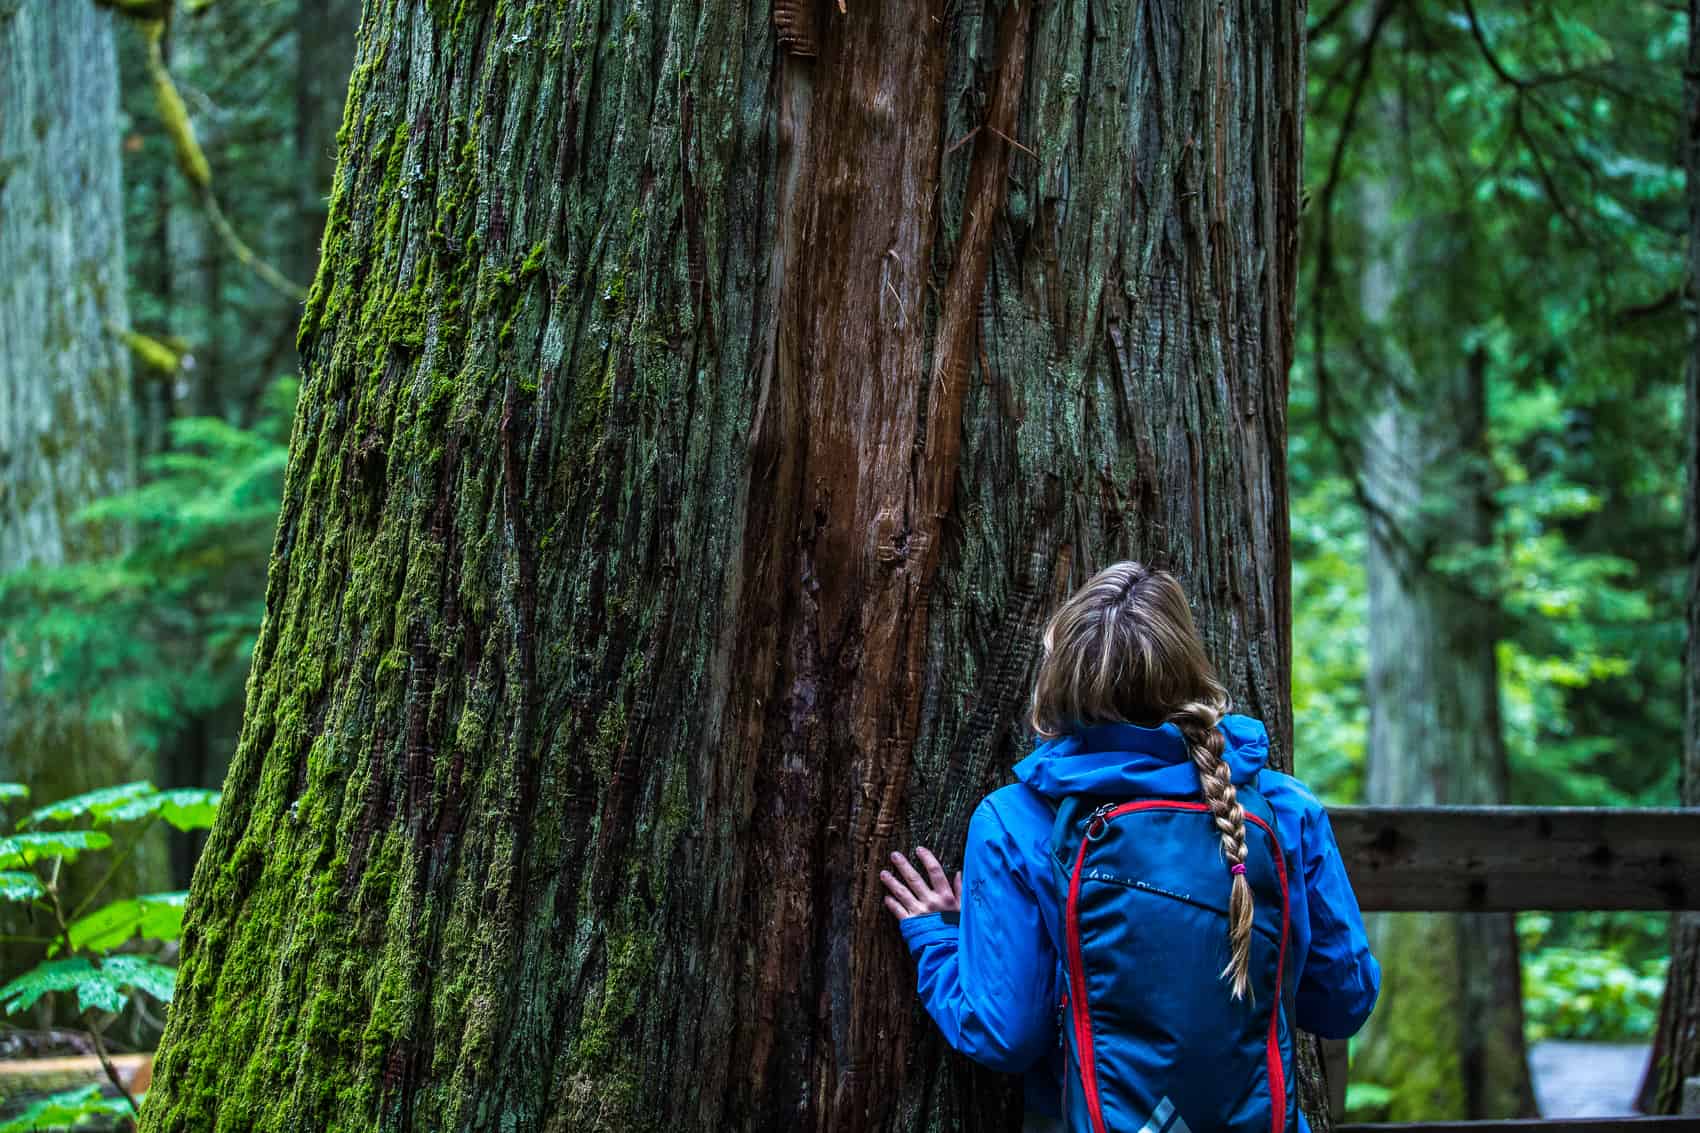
[1155, 1041]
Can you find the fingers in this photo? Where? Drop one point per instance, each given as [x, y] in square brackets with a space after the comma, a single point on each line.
[911, 895]
[901, 896]
[936, 879]
[916, 884]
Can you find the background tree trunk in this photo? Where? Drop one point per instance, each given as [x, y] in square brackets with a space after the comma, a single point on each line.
[324, 52]
[1676, 1044]
[66, 429]
[1447, 1036]
[700, 415]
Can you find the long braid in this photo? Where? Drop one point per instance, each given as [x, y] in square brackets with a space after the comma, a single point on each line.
[1204, 743]
[1124, 647]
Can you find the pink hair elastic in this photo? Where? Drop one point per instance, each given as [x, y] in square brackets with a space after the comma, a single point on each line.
[1238, 867]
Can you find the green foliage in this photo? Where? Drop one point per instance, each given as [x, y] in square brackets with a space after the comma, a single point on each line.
[93, 803]
[67, 1110]
[16, 885]
[1367, 1101]
[1515, 169]
[152, 916]
[27, 849]
[161, 634]
[1602, 985]
[1538, 160]
[186, 808]
[83, 955]
[100, 985]
[1330, 639]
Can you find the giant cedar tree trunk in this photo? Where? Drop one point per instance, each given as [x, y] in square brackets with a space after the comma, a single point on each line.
[702, 408]
[1447, 1037]
[65, 418]
[1676, 1045]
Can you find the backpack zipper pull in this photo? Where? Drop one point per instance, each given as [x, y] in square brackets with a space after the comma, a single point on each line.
[1098, 821]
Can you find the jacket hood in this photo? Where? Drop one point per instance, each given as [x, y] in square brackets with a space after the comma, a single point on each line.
[1126, 759]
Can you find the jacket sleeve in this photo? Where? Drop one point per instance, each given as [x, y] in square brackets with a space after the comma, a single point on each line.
[988, 981]
[1341, 979]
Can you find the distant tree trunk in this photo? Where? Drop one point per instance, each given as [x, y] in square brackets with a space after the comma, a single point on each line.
[1447, 1036]
[700, 415]
[66, 430]
[1676, 1045]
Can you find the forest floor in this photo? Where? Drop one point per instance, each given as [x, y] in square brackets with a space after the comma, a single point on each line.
[1578, 1079]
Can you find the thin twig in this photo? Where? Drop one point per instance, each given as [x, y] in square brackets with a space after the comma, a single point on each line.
[1487, 51]
[960, 142]
[1011, 141]
[112, 1072]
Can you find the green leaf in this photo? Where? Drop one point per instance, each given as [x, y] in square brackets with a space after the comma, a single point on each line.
[1362, 1096]
[104, 985]
[16, 885]
[144, 974]
[26, 849]
[13, 791]
[186, 808]
[190, 808]
[66, 1110]
[153, 916]
[97, 803]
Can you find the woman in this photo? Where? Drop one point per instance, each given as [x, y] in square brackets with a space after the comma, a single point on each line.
[1088, 949]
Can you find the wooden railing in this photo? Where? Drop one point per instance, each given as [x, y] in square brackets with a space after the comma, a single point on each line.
[1506, 859]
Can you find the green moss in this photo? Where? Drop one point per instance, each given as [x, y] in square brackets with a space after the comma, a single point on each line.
[404, 321]
[174, 115]
[610, 734]
[533, 261]
[151, 352]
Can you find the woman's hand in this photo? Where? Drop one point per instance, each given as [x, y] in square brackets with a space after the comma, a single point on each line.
[912, 895]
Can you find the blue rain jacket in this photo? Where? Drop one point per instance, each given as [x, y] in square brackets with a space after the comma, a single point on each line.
[992, 977]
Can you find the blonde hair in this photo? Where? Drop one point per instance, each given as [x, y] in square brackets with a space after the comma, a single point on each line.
[1124, 648]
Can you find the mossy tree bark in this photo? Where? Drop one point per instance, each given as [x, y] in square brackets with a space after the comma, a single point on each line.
[1447, 1036]
[702, 407]
[1676, 1044]
[66, 426]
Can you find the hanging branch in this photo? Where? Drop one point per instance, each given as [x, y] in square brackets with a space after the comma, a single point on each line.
[165, 357]
[1315, 31]
[191, 159]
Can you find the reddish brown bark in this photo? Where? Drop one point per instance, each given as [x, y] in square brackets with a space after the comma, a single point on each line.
[858, 340]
